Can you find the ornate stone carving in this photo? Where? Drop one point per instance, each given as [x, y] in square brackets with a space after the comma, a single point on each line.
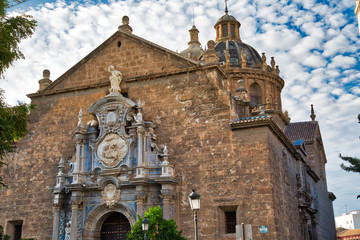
[110, 195]
[112, 150]
[167, 194]
[140, 196]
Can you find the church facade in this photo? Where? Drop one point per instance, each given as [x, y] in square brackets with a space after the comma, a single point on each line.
[135, 125]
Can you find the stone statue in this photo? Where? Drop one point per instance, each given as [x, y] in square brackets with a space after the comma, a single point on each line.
[115, 79]
[67, 230]
[80, 117]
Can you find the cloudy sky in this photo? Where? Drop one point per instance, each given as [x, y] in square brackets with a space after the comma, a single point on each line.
[315, 43]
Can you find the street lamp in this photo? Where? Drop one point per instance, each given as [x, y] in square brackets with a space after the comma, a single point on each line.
[194, 199]
[145, 226]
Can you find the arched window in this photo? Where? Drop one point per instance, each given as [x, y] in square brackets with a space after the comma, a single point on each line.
[255, 94]
[232, 29]
[225, 30]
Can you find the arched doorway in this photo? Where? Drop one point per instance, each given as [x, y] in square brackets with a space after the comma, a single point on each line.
[115, 227]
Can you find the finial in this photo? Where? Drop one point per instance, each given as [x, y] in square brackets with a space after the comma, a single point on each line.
[263, 59]
[193, 18]
[125, 27]
[272, 63]
[46, 73]
[61, 167]
[80, 117]
[241, 90]
[226, 7]
[312, 116]
[165, 150]
[125, 20]
[277, 70]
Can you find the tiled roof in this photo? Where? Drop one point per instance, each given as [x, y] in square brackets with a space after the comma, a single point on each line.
[351, 232]
[301, 131]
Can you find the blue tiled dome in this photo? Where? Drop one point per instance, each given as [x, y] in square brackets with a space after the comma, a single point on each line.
[253, 58]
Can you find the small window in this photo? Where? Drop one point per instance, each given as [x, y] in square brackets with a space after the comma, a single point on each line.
[232, 28]
[225, 30]
[17, 232]
[14, 229]
[228, 218]
[230, 222]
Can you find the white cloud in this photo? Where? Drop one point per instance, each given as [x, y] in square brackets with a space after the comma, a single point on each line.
[342, 62]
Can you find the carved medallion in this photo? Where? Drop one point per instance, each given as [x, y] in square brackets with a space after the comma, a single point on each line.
[110, 195]
[112, 150]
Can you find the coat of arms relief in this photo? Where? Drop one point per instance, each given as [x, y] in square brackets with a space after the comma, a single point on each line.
[110, 195]
[112, 149]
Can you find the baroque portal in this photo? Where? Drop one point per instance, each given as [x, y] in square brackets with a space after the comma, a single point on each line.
[117, 160]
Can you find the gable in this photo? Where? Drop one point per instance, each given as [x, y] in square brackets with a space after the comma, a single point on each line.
[131, 55]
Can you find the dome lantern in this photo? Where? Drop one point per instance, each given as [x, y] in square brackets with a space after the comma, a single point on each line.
[227, 28]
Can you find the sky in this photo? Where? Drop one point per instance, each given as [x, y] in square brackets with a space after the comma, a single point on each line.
[314, 42]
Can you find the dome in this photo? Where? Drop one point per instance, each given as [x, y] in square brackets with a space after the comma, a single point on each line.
[193, 51]
[226, 17]
[235, 48]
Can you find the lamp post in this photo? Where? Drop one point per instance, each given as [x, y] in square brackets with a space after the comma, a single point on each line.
[145, 226]
[194, 199]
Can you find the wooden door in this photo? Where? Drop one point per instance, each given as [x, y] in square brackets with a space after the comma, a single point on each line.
[115, 227]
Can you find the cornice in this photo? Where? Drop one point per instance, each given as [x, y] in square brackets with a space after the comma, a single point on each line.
[257, 73]
[128, 80]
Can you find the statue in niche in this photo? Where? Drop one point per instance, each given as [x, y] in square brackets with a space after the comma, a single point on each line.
[115, 79]
[68, 230]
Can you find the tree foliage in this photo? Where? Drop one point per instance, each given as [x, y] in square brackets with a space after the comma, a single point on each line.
[159, 228]
[12, 30]
[13, 123]
[354, 164]
[2, 236]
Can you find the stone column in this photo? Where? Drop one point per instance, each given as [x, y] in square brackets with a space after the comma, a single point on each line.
[76, 206]
[168, 197]
[58, 199]
[141, 197]
[56, 223]
[304, 223]
[80, 138]
[140, 170]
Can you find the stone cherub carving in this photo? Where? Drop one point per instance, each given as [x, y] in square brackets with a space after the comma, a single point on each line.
[115, 79]
[67, 230]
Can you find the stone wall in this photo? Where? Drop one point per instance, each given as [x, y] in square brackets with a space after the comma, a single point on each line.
[32, 170]
[326, 213]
